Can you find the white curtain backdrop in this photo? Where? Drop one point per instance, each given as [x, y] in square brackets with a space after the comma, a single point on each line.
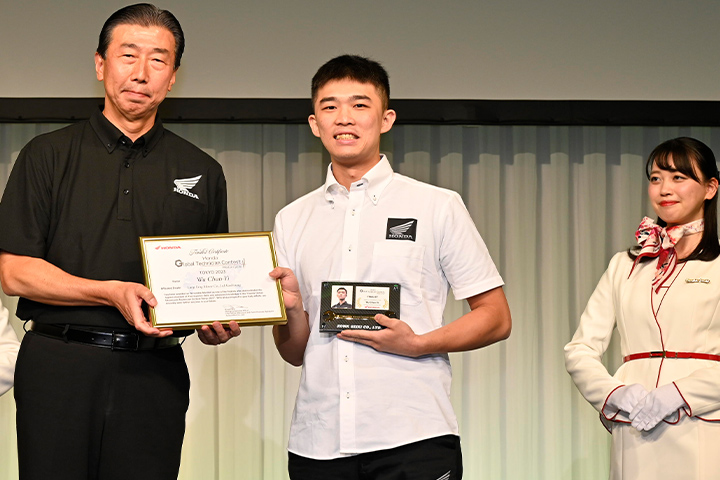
[552, 203]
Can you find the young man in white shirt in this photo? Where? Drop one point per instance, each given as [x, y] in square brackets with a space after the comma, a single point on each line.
[377, 403]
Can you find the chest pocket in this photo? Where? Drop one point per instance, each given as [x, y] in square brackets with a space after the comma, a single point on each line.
[182, 215]
[400, 262]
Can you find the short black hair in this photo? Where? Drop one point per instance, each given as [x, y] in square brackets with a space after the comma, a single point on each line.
[146, 15]
[353, 67]
[341, 288]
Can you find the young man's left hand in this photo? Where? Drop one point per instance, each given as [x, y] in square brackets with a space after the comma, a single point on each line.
[397, 337]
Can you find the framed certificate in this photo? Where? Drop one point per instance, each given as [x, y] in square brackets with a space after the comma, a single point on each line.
[200, 279]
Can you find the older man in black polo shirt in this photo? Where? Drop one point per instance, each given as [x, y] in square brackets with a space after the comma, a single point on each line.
[100, 392]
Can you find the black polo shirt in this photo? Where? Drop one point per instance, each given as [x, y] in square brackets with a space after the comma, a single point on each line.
[81, 196]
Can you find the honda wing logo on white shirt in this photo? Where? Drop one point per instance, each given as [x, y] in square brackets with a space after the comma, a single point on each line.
[401, 229]
[184, 185]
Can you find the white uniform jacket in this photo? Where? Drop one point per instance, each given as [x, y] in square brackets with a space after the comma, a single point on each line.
[687, 320]
[9, 346]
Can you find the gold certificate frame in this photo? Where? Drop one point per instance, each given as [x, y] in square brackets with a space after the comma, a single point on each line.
[201, 279]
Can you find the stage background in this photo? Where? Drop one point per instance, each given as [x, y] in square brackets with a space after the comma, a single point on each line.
[457, 49]
[553, 202]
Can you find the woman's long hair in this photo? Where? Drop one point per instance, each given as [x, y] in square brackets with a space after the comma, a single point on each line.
[689, 157]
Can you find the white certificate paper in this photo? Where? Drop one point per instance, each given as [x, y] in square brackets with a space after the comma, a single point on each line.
[372, 298]
[200, 279]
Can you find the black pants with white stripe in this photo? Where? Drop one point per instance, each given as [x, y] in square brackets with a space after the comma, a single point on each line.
[438, 458]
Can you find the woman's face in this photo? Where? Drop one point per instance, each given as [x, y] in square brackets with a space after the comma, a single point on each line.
[677, 198]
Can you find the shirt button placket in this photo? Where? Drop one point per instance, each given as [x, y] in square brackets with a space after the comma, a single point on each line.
[346, 369]
[125, 187]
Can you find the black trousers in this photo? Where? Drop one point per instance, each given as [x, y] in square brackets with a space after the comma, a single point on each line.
[437, 458]
[86, 412]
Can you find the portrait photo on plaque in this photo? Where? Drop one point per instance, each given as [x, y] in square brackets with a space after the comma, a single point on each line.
[344, 295]
[353, 305]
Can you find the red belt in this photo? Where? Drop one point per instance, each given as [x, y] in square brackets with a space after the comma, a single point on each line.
[666, 354]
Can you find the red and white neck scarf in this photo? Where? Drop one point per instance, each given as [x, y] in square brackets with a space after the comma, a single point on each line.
[657, 241]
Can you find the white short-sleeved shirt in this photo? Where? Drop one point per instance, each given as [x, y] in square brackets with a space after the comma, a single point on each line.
[352, 398]
[9, 346]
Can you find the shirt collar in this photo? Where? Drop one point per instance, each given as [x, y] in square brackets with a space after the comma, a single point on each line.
[374, 181]
[111, 136]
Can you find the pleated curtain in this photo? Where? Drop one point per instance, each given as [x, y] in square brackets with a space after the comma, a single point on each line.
[553, 203]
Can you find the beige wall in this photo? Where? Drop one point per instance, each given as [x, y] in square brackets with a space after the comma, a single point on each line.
[466, 49]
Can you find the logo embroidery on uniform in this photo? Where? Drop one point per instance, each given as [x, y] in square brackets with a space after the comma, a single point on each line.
[697, 280]
[183, 186]
[401, 229]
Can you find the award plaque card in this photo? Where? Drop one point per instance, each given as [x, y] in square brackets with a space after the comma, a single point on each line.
[353, 305]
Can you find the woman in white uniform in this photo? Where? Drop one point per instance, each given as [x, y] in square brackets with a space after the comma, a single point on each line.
[662, 406]
[9, 346]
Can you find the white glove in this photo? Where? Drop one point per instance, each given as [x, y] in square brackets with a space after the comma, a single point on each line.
[625, 399]
[657, 405]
